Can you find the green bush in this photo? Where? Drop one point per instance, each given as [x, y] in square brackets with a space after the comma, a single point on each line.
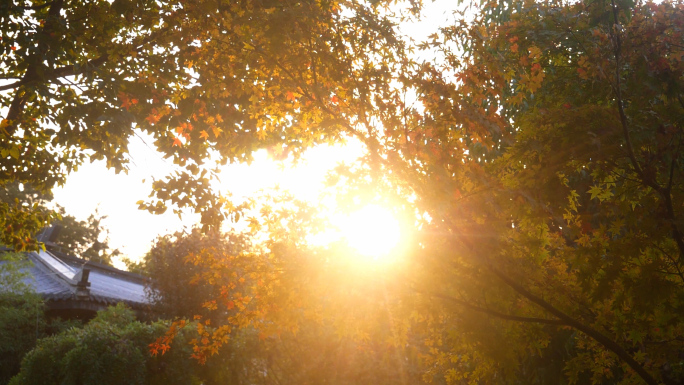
[111, 349]
[22, 324]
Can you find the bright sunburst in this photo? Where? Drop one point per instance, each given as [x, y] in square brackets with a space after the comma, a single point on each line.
[373, 231]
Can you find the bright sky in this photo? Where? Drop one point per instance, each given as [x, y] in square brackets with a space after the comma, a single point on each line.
[94, 187]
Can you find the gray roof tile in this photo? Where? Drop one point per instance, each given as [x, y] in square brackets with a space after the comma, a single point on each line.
[52, 276]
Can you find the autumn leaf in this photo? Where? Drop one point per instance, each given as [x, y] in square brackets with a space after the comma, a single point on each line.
[204, 135]
[217, 131]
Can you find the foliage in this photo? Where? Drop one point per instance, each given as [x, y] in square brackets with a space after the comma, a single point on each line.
[166, 265]
[87, 239]
[21, 223]
[82, 238]
[543, 159]
[206, 80]
[23, 215]
[110, 349]
[312, 352]
[13, 271]
[549, 163]
[22, 324]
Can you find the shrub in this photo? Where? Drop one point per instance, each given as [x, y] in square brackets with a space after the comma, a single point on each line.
[111, 349]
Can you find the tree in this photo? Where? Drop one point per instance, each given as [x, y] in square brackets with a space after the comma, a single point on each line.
[544, 159]
[167, 265]
[86, 239]
[22, 324]
[549, 163]
[82, 238]
[22, 316]
[200, 77]
[186, 286]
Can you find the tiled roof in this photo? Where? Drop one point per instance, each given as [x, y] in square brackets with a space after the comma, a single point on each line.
[46, 283]
[56, 277]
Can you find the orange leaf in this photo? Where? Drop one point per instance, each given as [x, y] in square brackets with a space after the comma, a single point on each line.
[217, 131]
[177, 142]
[204, 135]
[290, 96]
[125, 101]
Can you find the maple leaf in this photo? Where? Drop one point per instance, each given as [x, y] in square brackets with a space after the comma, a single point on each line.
[217, 131]
[204, 135]
[125, 102]
[290, 96]
[177, 142]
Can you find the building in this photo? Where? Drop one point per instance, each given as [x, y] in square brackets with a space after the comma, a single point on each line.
[74, 288]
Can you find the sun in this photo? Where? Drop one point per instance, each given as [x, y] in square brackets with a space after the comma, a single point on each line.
[372, 230]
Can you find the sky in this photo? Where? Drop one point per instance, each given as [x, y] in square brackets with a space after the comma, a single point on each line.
[94, 187]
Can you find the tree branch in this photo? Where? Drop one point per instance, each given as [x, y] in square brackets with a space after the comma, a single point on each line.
[586, 329]
[20, 97]
[648, 180]
[494, 313]
[10, 86]
[563, 318]
[34, 7]
[621, 110]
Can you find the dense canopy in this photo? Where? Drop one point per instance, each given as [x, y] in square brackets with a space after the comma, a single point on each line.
[538, 161]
